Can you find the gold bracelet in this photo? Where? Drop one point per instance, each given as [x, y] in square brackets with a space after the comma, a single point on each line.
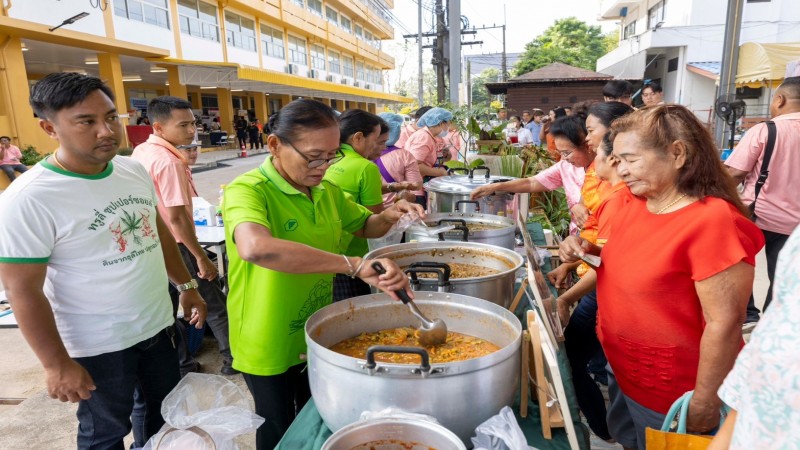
[349, 266]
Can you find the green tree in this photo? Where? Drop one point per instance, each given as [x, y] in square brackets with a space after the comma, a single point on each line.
[480, 95]
[611, 40]
[569, 41]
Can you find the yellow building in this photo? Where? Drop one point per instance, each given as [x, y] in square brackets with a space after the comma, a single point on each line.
[228, 57]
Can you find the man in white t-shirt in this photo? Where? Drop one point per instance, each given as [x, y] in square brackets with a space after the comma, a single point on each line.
[84, 258]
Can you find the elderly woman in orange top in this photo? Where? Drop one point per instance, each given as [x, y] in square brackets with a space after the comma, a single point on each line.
[675, 326]
[423, 144]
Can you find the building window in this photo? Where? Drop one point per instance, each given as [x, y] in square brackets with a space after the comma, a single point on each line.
[240, 31]
[672, 65]
[629, 30]
[334, 63]
[209, 101]
[359, 32]
[198, 19]
[272, 38]
[332, 15]
[298, 3]
[360, 71]
[315, 6]
[297, 51]
[154, 12]
[348, 66]
[346, 24]
[318, 57]
[655, 15]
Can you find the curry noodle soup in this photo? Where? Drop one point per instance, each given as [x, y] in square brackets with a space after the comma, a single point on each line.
[459, 270]
[457, 347]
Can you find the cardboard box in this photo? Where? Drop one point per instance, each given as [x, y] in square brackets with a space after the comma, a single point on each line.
[204, 213]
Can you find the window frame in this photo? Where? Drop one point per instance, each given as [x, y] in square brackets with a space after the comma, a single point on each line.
[343, 18]
[268, 31]
[314, 11]
[231, 34]
[334, 62]
[203, 24]
[351, 60]
[292, 51]
[328, 18]
[656, 14]
[629, 30]
[315, 48]
[122, 8]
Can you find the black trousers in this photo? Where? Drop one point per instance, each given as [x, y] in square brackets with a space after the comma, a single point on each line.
[278, 399]
[773, 243]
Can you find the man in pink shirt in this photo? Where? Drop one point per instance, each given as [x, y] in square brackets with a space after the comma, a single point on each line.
[174, 125]
[778, 205]
[9, 158]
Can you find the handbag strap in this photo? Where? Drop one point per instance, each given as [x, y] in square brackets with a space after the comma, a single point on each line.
[772, 133]
[682, 405]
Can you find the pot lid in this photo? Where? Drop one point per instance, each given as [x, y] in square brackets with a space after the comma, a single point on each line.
[464, 184]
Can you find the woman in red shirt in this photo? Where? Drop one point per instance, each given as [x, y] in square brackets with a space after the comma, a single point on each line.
[675, 276]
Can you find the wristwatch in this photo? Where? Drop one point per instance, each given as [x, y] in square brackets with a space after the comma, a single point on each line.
[191, 284]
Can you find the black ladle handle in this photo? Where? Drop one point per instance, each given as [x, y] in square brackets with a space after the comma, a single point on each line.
[401, 293]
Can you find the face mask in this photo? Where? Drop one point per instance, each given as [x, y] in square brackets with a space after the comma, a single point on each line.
[443, 133]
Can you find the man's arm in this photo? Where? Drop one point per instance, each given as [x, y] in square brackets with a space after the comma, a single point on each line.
[736, 174]
[66, 380]
[194, 307]
[723, 298]
[183, 225]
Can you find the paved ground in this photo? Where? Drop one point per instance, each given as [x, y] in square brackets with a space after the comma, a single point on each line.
[39, 422]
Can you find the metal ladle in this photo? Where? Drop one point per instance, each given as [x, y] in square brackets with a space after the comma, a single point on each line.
[432, 332]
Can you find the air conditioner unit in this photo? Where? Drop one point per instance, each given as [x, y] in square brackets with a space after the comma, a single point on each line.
[292, 69]
[329, 78]
[345, 81]
[367, 86]
[312, 73]
[357, 83]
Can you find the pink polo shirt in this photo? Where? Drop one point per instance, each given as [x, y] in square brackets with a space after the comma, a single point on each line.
[568, 176]
[402, 166]
[11, 156]
[167, 168]
[778, 204]
[405, 133]
[423, 146]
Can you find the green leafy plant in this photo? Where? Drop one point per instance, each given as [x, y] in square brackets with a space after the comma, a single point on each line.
[555, 208]
[30, 156]
[510, 166]
[460, 164]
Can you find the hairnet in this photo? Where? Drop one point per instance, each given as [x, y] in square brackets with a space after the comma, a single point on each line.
[395, 122]
[434, 117]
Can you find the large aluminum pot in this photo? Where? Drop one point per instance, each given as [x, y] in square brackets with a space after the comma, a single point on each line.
[432, 257]
[495, 230]
[460, 395]
[451, 193]
[393, 433]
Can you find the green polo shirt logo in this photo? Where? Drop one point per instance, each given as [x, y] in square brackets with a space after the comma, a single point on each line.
[290, 225]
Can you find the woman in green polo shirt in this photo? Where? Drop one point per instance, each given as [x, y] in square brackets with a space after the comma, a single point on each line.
[360, 143]
[286, 224]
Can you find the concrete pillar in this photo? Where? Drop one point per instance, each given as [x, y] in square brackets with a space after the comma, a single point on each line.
[16, 115]
[285, 99]
[176, 89]
[225, 104]
[327, 101]
[111, 72]
[197, 100]
[262, 113]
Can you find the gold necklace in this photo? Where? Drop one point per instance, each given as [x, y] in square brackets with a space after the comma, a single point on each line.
[671, 204]
[58, 163]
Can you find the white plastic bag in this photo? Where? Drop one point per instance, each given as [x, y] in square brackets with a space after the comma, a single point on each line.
[211, 403]
[395, 234]
[396, 413]
[500, 432]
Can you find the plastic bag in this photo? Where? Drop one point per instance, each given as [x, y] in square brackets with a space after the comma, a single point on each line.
[395, 234]
[396, 413]
[211, 403]
[500, 432]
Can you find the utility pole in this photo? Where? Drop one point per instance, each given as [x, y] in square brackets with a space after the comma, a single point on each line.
[469, 84]
[454, 22]
[438, 57]
[419, 49]
[504, 63]
[730, 61]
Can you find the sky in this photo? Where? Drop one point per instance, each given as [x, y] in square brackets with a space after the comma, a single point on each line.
[524, 19]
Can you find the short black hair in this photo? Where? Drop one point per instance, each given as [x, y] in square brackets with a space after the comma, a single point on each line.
[792, 87]
[354, 120]
[301, 115]
[418, 113]
[537, 112]
[654, 85]
[5, 137]
[607, 112]
[618, 89]
[570, 127]
[160, 109]
[560, 112]
[58, 91]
